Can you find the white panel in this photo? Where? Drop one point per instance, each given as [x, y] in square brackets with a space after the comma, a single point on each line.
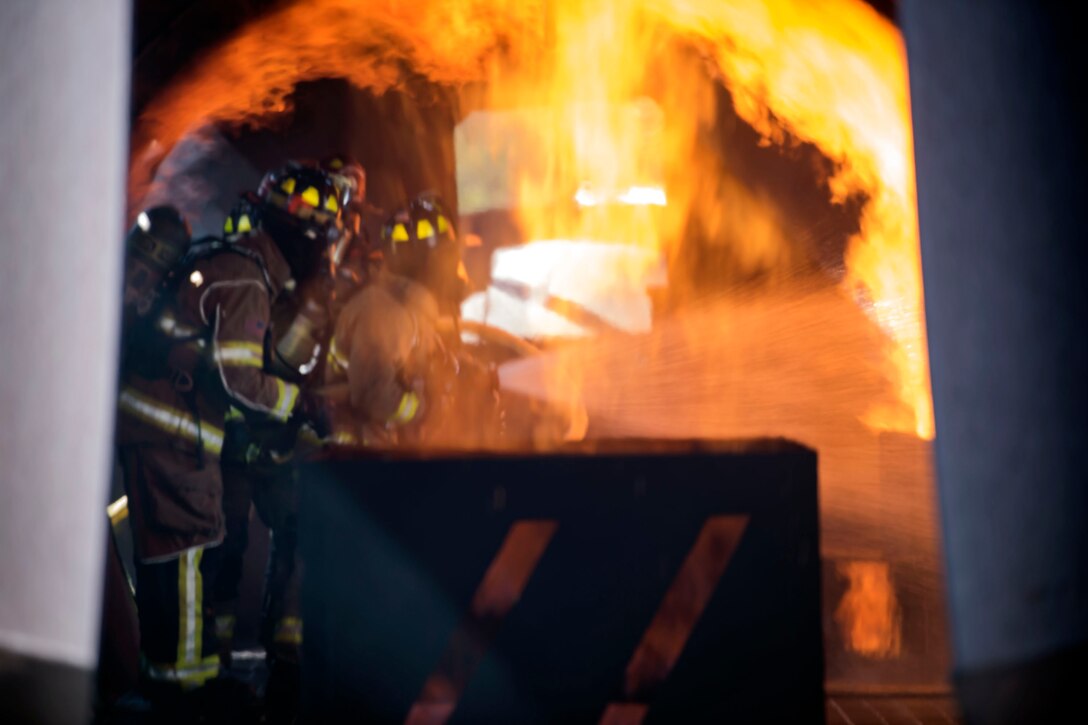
[64, 80]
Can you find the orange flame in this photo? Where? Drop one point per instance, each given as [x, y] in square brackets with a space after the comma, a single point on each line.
[832, 74]
[835, 74]
[869, 613]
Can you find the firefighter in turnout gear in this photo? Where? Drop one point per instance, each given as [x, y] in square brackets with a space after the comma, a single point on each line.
[397, 342]
[259, 464]
[198, 354]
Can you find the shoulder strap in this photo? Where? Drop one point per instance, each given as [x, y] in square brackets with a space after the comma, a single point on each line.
[210, 246]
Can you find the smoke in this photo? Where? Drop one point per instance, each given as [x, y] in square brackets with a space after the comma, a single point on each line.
[200, 177]
[375, 44]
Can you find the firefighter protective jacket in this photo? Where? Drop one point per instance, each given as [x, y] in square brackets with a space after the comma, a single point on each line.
[215, 332]
[383, 340]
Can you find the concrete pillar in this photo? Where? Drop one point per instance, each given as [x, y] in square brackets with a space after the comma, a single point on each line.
[64, 80]
[1000, 151]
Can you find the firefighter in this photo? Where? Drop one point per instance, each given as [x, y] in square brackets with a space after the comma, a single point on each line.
[397, 342]
[350, 177]
[358, 259]
[176, 391]
[259, 467]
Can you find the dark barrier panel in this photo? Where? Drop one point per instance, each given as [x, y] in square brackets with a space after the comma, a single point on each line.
[611, 587]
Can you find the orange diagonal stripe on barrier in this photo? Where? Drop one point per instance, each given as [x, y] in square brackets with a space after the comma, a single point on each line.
[499, 591]
[675, 619]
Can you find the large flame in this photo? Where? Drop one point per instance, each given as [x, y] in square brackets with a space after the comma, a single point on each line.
[832, 74]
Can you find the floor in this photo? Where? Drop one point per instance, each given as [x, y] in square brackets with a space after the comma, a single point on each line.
[892, 709]
[842, 708]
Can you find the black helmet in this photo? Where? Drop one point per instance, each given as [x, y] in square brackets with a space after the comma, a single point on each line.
[306, 193]
[302, 213]
[243, 218]
[419, 242]
[162, 224]
[157, 241]
[415, 231]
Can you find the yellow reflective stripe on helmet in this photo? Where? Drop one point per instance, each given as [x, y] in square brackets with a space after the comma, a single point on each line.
[409, 405]
[288, 631]
[312, 196]
[288, 186]
[331, 204]
[228, 225]
[443, 224]
[244, 224]
[171, 420]
[424, 229]
[400, 233]
[285, 401]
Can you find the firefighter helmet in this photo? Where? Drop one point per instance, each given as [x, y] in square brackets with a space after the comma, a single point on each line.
[305, 193]
[421, 226]
[243, 218]
[157, 241]
[349, 177]
[419, 242]
[302, 213]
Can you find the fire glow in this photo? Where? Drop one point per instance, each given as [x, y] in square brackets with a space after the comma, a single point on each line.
[831, 74]
[869, 615]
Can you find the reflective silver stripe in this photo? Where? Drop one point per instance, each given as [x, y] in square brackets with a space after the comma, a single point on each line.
[190, 567]
[170, 420]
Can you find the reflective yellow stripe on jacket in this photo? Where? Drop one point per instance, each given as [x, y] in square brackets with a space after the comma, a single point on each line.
[336, 357]
[288, 631]
[187, 676]
[285, 400]
[240, 353]
[170, 420]
[409, 406]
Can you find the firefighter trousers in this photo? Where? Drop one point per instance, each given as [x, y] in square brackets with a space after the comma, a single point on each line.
[272, 493]
[177, 625]
[176, 515]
